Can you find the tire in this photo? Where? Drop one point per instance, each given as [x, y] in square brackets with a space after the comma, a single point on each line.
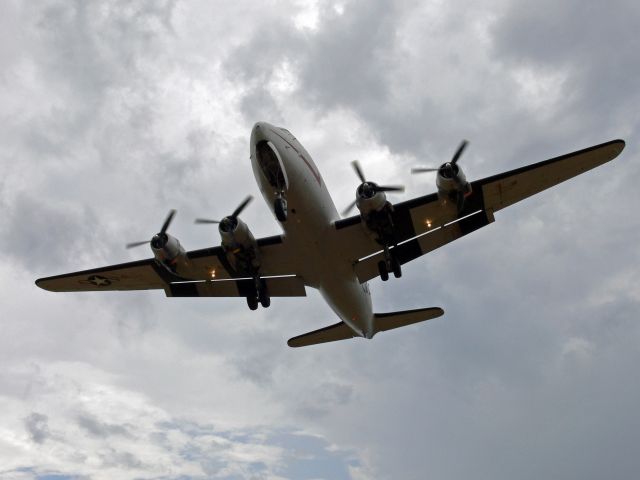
[280, 208]
[264, 299]
[384, 273]
[396, 267]
[252, 302]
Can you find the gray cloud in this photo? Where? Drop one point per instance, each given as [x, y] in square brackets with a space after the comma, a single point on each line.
[37, 426]
[100, 429]
[116, 112]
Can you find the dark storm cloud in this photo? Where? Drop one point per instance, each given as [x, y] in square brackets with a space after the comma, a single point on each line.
[61, 229]
[37, 426]
[594, 41]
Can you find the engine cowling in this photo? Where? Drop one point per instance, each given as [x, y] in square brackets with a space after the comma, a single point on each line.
[452, 183]
[168, 252]
[240, 245]
[369, 199]
[235, 234]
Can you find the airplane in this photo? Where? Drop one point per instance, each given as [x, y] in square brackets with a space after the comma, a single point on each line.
[321, 250]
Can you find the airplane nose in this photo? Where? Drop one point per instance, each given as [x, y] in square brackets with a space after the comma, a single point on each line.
[259, 132]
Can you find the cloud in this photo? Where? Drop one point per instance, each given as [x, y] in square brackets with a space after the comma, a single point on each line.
[114, 112]
[36, 425]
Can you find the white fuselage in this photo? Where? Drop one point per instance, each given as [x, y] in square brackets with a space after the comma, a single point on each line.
[309, 229]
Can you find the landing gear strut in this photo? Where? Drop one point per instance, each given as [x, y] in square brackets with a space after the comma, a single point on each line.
[280, 208]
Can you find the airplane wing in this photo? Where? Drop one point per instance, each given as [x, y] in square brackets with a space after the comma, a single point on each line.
[423, 224]
[148, 275]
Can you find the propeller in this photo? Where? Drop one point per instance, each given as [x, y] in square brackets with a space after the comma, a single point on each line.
[160, 238]
[227, 224]
[369, 189]
[447, 167]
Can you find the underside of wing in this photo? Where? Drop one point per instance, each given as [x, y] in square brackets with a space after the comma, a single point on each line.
[424, 223]
[276, 286]
[410, 219]
[140, 275]
[500, 191]
[367, 268]
[207, 272]
[214, 262]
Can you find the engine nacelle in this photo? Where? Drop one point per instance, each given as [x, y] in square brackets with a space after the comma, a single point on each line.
[369, 200]
[235, 234]
[168, 252]
[452, 183]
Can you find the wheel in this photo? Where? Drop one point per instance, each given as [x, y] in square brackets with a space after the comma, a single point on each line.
[264, 298]
[265, 301]
[252, 302]
[384, 273]
[280, 207]
[396, 267]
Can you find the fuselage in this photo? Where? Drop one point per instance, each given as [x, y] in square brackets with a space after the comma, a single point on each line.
[309, 228]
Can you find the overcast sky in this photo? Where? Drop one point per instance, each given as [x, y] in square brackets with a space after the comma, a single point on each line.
[115, 112]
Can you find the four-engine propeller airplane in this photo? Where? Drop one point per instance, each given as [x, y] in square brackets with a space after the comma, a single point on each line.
[319, 249]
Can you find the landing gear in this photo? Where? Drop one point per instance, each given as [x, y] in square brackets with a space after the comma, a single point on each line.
[389, 263]
[261, 296]
[252, 302]
[382, 269]
[396, 267]
[280, 208]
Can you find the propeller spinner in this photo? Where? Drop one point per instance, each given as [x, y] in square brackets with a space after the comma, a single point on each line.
[228, 223]
[369, 189]
[159, 239]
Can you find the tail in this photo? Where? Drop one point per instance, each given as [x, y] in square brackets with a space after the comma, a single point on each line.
[381, 323]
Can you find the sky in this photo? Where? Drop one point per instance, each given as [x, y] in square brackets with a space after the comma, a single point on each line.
[114, 112]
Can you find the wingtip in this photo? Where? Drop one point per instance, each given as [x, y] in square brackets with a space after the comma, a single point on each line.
[39, 282]
[619, 146]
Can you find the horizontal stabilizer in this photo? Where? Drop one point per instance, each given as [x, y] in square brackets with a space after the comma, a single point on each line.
[382, 322]
[332, 333]
[391, 320]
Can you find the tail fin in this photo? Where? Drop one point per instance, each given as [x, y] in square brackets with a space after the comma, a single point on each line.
[391, 320]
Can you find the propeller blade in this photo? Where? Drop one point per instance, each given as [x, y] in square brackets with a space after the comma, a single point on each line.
[423, 170]
[136, 244]
[390, 188]
[356, 166]
[349, 208]
[167, 222]
[241, 207]
[461, 148]
[206, 220]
